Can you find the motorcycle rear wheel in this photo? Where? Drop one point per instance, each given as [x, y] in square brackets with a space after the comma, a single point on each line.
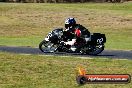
[97, 50]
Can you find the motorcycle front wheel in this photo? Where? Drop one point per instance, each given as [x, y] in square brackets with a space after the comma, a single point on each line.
[47, 47]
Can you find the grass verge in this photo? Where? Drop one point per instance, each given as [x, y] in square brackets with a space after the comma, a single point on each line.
[34, 71]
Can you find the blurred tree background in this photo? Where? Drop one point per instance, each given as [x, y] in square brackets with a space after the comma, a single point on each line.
[60, 1]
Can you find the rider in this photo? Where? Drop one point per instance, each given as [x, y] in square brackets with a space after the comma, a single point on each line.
[76, 33]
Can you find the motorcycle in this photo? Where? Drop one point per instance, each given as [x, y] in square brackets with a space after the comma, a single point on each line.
[53, 43]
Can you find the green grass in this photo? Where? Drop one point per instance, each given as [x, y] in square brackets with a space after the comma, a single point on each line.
[26, 24]
[13, 41]
[32, 71]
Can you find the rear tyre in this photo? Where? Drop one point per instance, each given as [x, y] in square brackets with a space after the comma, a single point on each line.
[96, 50]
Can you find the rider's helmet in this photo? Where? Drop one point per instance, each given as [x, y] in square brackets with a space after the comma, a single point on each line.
[69, 24]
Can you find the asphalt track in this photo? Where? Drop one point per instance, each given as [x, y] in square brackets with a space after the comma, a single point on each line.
[114, 54]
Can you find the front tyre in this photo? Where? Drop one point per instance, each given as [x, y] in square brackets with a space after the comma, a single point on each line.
[41, 45]
[47, 46]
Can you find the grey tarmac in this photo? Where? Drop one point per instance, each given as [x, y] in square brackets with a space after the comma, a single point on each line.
[113, 54]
